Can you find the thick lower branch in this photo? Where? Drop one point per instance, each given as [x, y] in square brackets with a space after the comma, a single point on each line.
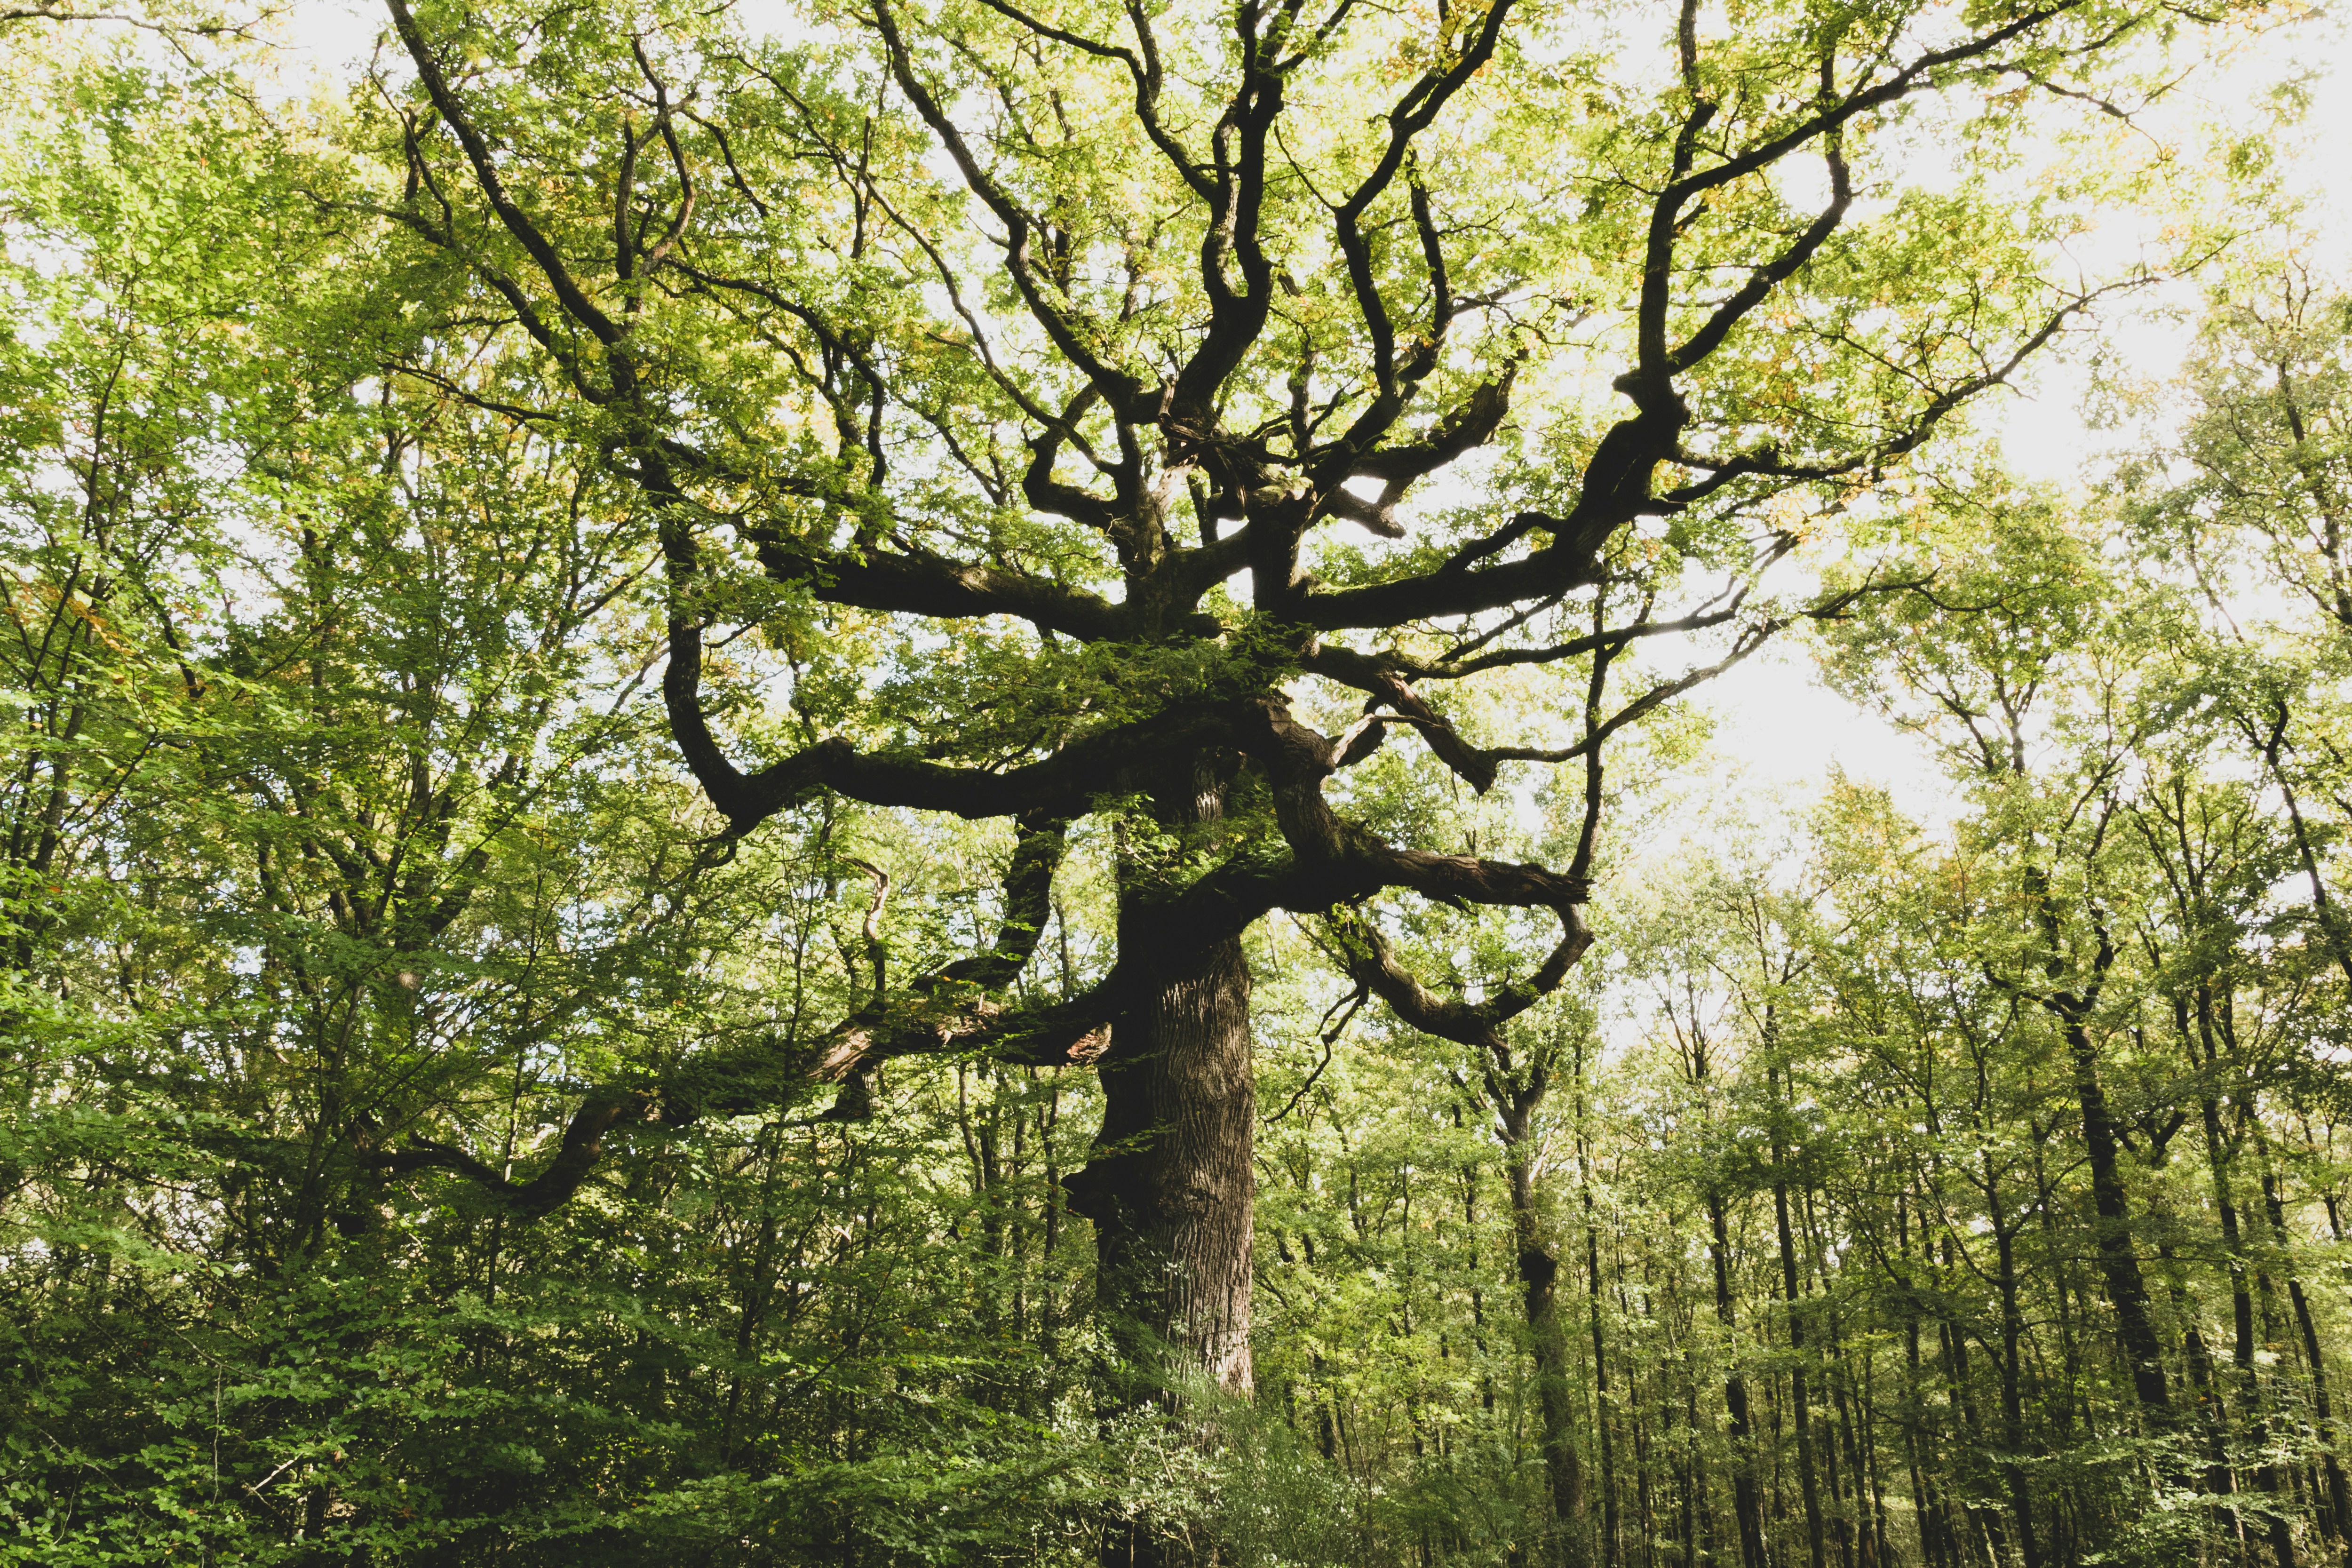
[1330, 862]
[1062, 784]
[1373, 965]
[956, 1007]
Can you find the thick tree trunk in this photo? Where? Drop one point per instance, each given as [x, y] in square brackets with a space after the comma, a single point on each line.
[1171, 1186]
[1548, 1341]
[1171, 1190]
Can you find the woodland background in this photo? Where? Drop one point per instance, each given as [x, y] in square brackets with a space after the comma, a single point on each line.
[337, 809]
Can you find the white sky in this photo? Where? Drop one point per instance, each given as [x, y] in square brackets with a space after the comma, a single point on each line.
[1778, 726]
[1778, 723]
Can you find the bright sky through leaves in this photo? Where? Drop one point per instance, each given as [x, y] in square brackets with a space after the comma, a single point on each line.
[1777, 721]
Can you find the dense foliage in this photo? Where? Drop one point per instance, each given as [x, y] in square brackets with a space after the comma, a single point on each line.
[1245, 1018]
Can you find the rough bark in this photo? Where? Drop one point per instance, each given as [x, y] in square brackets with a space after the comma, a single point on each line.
[1171, 1185]
[1548, 1339]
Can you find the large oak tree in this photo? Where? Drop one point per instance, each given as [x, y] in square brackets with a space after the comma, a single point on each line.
[1093, 404]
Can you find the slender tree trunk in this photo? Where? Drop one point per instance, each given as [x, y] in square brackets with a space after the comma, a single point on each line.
[758, 1286]
[1918, 1432]
[2012, 1333]
[2212, 1409]
[1863, 1552]
[1849, 1517]
[2242, 1345]
[1745, 1501]
[2204, 1055]
[1836, 1518]
[2328, 918]
[1637, 1422]
[1800, 1396]
[1685, 1455]
[1866, 1403]
[2062, 1418]
[2012, 1401]
[1638, 1417]
[1959, 1392]
[2268, 1480]
[2118, 1264]
[2127, 1288]
[1927, 1500]
[1049, 1246]
[1608, 1553]
[1698, 1510]
[2336, 1515]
